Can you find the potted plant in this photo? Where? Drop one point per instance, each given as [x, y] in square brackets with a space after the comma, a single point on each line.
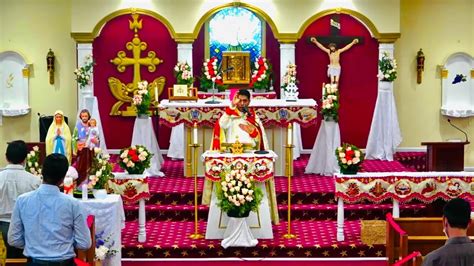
[262, 70]
[387, 71]
[330, 103]
[32, 161]
[142, 100]
[135, 159]
[101, 172]
[84, 73]
[183, 74]
[237, 194]
[349, 158]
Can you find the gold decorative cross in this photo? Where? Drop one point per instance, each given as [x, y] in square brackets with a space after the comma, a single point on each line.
[136, 46]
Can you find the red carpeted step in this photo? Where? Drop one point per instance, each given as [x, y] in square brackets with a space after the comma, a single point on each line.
[314, 239]
[299, 211]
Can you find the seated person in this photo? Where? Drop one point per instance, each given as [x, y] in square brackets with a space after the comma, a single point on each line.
[458, 250]
[240, 123]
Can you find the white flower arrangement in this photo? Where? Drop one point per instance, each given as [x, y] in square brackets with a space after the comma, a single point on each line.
[84, 73]
[32, 162]
[290, 76]
[101, 170]
[330, 102]
[142, 99]
[184, 74]
[388, 68]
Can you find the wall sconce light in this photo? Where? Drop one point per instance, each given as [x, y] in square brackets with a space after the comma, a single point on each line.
[420, 65]
[50, 65]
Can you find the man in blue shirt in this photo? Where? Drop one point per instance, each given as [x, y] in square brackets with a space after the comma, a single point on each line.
[47, 223]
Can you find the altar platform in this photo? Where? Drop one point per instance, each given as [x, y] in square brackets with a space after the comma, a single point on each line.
[314, 210]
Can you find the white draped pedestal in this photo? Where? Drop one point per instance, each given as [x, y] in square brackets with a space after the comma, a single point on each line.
[176, 149]
[110, 219]
[323, 159]
[238, 234]
[260, 222]
[384, 136]
[144, 134]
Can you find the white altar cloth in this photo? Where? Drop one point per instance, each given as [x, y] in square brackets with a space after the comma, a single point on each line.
[109, 218]
[144, 134]
[323, 158]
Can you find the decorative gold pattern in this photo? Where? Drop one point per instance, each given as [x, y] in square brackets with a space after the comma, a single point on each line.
[444, 73]
[373, 232]
[124, 93]
[239, 62]
[472, 73]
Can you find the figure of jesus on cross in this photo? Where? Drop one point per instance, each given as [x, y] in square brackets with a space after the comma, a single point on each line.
[334, 68]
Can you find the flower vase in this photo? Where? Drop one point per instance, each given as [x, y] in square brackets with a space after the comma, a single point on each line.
[235, 213]
[385, 85]
[143, 116]
[99, 193]
[350, 170]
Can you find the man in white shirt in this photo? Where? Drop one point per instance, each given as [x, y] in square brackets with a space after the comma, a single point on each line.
[14, 181]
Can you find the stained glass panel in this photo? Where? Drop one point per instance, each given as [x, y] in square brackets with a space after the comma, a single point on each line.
[235, 29]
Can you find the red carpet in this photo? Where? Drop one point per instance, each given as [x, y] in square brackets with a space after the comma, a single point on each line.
[265, 262]
[170, 215]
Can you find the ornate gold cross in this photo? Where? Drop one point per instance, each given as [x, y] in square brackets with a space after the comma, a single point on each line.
[136, 46]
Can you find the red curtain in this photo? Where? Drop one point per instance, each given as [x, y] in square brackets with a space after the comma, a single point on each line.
[358, 80]
[112, 39]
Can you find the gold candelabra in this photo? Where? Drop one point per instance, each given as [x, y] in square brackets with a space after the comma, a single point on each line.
[289, 170]
[196, 234]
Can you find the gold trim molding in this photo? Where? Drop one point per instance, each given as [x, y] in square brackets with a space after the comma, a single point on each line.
[444, 73]
[88, 37]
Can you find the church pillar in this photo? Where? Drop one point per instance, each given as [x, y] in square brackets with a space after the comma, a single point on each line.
[287, 56]
[83, 50]
[177, 138]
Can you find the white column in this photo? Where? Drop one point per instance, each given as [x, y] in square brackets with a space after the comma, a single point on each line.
[141, 221]
[287, 56]
[176, 148]
[386, 47]
[83, 50]
[396, 209]
[340, 220]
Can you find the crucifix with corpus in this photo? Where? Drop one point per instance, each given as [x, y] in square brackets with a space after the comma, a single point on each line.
[330, 44]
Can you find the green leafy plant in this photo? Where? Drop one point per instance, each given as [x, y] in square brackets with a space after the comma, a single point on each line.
[84, 73]
[388, 68]
[101, 170]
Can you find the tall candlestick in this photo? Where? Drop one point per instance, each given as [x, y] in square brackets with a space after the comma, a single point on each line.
[324, 90]
[156, 93]
[84, 191]
[289, 134]
[195, 134]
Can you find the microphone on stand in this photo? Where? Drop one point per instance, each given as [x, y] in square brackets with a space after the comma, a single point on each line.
[245, 110]
[465, 134]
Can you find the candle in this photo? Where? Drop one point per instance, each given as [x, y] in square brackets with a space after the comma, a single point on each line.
[324, 89]
[156, 93]
[289, 134]
[84, 191]
[195, 133]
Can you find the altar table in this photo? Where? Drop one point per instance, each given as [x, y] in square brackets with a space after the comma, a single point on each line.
[400, 187]
[275, 115]
[133, 188]
[260, 167]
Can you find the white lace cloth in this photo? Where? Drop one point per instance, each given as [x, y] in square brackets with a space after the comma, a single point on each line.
[384, 136]
[238, 234]
[177, 139]
[144, 134]
[110, 219]
[323, 159]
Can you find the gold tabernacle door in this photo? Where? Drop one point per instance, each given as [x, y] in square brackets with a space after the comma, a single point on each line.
[236, 67]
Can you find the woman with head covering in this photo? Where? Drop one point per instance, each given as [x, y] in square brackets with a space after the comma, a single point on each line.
[58, 139]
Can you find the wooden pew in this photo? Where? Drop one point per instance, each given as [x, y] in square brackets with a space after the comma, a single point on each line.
[414, 259]
[406, 235]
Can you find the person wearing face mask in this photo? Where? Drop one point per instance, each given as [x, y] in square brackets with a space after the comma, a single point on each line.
[458, 249]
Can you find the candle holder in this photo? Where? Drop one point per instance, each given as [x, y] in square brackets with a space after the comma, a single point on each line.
[196, 234]
[289, 171]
